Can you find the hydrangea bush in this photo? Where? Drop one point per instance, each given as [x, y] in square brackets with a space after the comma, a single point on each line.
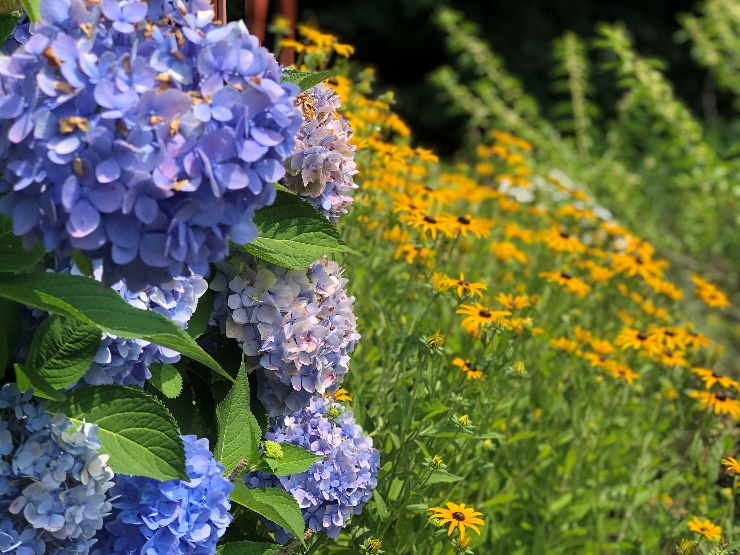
[138, 140]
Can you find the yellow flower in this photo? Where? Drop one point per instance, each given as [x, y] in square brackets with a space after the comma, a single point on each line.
[436, 340]
[506, 250]
[710, 378]
[480, 227]
[471, 372]
[463, 286]
[630, 338]
[561, 241]
[671, 358]
[564, 344]
[709, 293]
[479, 316]
[512, 302]
[427, 223]
[718, 402]
[706, 529]
[458, 516]
[572, 284]
[731, 465]
[620, 371]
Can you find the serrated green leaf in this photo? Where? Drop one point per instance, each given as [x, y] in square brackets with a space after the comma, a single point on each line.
[274, 504]
[166, 379]
[82, 298]
[248, 548]
[238, 431]
[295, 459]
[292, 234]
[41, 388]
[313, 79]
[13, 257]
[199, 320]
[11, 317]
[136, 430]
[62, 351]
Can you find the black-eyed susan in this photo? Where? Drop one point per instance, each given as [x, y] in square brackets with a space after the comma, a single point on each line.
[564, 344]
[426, 223]
[596, 360]
[709, 293]
[513, 231]
[472, 372]
[710, 378]
[465, 225]
[506, 250]
[479, 316]
[719, 402]
[601, 346]
[572, 284]
[671, 358]
[622, 372]
[731, 464]
[630, 338]
[408, 204]
[410, 252]
[512, 302]
[671, 337]
[705, 528]
[464, 287]
[340, 395]
[457, 516]
[561, 241]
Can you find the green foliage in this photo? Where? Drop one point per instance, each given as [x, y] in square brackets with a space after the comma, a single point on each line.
[292, 234]
[166, 379]
[13, 257]
[305, 79]
[294, 460]
[135, 429]
[238, 431]
[83, 299]
[274, 504]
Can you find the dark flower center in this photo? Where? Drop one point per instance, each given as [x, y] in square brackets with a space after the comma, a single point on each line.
[669, 333]
[565, 235]
[716, 376]
[463, 220]
[430, 220]
[463, 283]
[565, 276]
[641, 336]
[484, 313]
[457, 515]
[720, 397]
[638, 259]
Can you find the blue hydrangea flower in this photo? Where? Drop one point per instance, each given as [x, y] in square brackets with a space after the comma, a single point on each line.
[123, 361]
[322, 165]
[337, 485]
[171, 517]
[142, 134]
[298, 325]
[53, 484]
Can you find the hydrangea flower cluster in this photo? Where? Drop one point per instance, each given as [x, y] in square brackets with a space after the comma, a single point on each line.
[336, 486]
[320, 169]
[54, 485]
[123, 361]
[172, 517]
[141, 133]
[297, 325]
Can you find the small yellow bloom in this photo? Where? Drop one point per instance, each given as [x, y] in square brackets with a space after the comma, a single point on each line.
[706, 528]
[718, 402]
[458, 516]
[731, 465]
[709, 293]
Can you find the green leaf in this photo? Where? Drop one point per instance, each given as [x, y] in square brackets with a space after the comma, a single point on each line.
[32, 9]
[305, 79]
[136, 430]
[248, 548]
[11, 318]
[83, 263]
[295, 459]
[440, 476]
[166, 379]
[13, 257]
[272, 503]
[238, 431]
[62, 351]
[41, 388]
[199, 320]
[292, 234]
[7, 22]
[82, 298]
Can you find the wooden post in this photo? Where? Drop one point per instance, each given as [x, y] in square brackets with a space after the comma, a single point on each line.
[219, 6]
